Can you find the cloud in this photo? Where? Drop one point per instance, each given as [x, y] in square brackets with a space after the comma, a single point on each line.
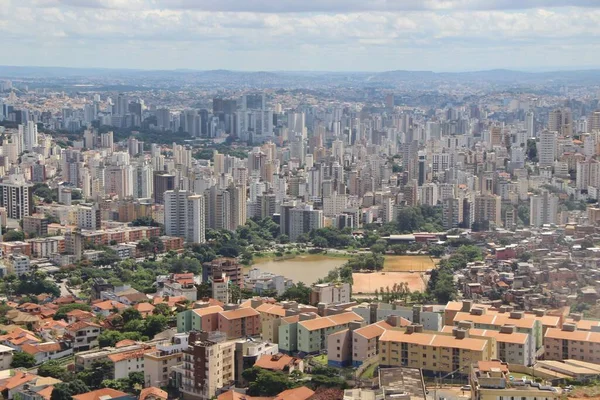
[325, 34]
[328, 6]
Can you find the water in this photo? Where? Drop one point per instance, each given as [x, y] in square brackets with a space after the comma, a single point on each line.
[304, 268]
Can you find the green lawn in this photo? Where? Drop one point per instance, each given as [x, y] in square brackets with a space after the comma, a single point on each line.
[322, 359]
[369, 372]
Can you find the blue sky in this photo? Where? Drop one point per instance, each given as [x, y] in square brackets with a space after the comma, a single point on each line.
[335, 35]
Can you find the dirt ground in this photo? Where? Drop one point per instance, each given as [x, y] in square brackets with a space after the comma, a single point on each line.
[408, 263]
[368, 282]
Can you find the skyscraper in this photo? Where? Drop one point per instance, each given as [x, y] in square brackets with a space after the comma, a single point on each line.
[547, 148]
[543, 209]
[185, 215]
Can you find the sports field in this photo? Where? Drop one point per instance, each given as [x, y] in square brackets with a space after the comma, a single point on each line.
[409, 263]
[368, 282]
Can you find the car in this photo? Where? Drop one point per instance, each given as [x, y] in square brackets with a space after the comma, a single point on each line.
[466, 388]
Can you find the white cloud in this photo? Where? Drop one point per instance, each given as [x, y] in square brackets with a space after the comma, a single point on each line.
[327, 34]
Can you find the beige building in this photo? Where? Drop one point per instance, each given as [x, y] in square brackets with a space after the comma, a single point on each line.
[158, 364]
[208, 365]
[511, 346]
[570, 343]
[434, 352]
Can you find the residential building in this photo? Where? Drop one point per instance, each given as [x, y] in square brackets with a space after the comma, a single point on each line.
[330, 293]
[199, 319]
[229, 266]
[208, 365]
[17, 197]
[36, 224]
[6, 356]
[239, 322]
[488, 209]
[543, 209]
[570, 343]
[158, 363]
[84, 335]
[435, 353]
[303, 219]
[247, 352]
[185, 215]
[312, 333]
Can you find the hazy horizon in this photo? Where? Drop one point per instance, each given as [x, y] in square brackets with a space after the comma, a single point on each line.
[308, 35]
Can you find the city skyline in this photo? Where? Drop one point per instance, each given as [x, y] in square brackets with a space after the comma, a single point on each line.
[303, 36]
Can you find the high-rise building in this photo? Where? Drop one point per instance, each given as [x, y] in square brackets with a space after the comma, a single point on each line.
[487, 208]
[561, 121]
[17, 198]
[29, 135]
[185, 215]
[162, 183]
[530, 124]
[452, 210]
[594, 121]
[142, 181]
[88, 216]
[304, 219]
[543, 209]
[547, 148]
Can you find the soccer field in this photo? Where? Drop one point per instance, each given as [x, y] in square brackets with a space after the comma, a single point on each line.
[408, 263]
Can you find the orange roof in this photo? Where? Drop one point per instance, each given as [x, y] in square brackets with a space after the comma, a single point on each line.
[581, 336]
[18, 379]
[497, 319]
[76, 326]
[274, 309]
[514, 338]
[201, 312]
[125, 343]
[277, 362]
[109, 305]
[434, 340]
[331, 321]
[46, 392]
[373, 330]
[144, 307]
[40, 348]
[239, 313]
[486, 366]
[128, 355]
[100, 394]
[153, 393]
[300, 393]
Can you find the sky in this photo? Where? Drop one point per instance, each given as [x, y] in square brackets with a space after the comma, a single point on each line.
[313, 35]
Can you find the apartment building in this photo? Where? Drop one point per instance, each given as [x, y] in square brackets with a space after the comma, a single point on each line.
[6, 357]
[247, 352]
[208, 365]
[199, 319]
[240, 322]
[129, 361]
[330, 293]
[312, 333]
[487, 317]
[511, 346]
[423, 315]
[571, 343]
[271, 316]
[229, 266]
[84, 335]
[158, 363]
[435, 353]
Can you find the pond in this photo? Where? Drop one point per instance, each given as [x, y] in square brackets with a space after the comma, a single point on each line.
[303, 268]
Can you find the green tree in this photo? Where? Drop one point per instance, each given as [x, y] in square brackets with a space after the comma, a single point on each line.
[131, 314]
[266, 383]
[99, 371]
[53, 369]
[298, 292]
[66, 391]
[22, 360]
[13, 236]
[62, 311]
[155, 324]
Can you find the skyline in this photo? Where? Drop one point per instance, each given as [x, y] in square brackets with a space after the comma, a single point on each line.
[440, 36]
